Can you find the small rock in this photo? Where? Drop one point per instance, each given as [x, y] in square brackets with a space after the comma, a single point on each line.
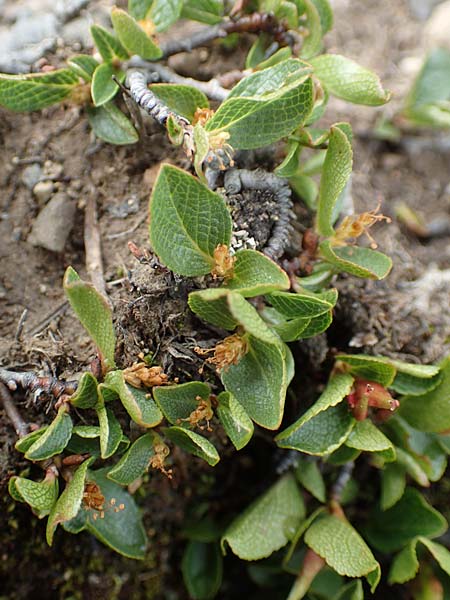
[53, 224]
[421, 9]
[77, 31]
[43, 191]
[31, 175]
[53, 170]
[436, 30]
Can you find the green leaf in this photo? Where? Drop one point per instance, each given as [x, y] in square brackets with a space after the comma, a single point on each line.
[68, 504]
[164, 13]
[86, 394]
[138, 9]
[134, 463]
[279, 56]
[391, 529]
[108, 45]
[205, 11]
[342, 455]
[336, 171]
[366, 437]
[409, 385]
[23, 444]
[268, 523]
[211, 305]
[259, 382]
[304, 304]
[111, 528]
[289, 166]
[265, 106]
[292, 330]
[133, 37]
[248, 317]
[187, 222]
[306, 189]
[34, 91]
[430, 411]
[255, 274]
[414, 379]
[103, 88]
[202, 570]
[288, 13]
[39, 495]
[320, 434]
[84, 65]
[343, 549]
[237, 424]
[110, 124]
[193, 443]
[412, 467]
[94, 313]
[312, 43]
[309, 475]
[405, 565]
[54, 439]
[325, 13]
[110, 431]
[301, 328]
[181, 99]
[177, 402]
[346, 79]
[322, 428]
[432, 83]
[372, 368]
[393, 483]
[138, 403]
[351, 591]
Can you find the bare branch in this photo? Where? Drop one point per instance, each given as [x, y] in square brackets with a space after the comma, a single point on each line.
[13, 414]
[34, 383]
[211, 88]
[92, 245]
[341, 481]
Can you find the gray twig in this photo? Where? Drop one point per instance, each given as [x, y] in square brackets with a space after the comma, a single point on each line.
[211, 88]
[200, 38]
[92, 246]
[341, 481]
[11, 410]
[36, 384]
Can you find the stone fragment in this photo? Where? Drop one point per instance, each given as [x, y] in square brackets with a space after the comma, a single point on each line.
[31, 175]
[42, 191]
[53, 224]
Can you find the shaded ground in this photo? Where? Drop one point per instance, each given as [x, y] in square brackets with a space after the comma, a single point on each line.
[407, 315]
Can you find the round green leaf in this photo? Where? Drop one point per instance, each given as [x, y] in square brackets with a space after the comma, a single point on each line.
[346, 79]
[255, 274]
[54, 439]
[179, 401]
[202, 570]
[342, 548]
[135, 461]
[103, 88]
[133, 37]
[268, 523]
[94, 313]
[237, 424]
[193, 443]
[187, 222]
[110, 124]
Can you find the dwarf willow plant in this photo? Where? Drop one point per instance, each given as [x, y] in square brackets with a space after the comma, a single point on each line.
[280, 98]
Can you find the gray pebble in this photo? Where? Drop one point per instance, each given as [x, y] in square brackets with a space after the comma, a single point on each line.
[42, 191]
[53, 224]
[31, 175]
